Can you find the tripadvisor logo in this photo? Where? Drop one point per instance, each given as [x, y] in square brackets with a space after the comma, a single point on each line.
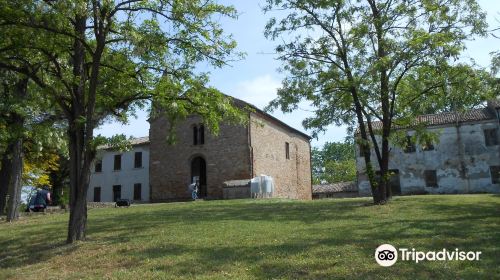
[387, 255]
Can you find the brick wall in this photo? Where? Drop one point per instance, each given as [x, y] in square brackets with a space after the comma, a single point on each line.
[292, 176]
[227, 157]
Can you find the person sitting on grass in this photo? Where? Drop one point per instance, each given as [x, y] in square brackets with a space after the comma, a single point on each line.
[39, 202]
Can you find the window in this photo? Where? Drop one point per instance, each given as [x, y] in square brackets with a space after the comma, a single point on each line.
[495, 174]
[97, 194]
[118, 162]
[117, 192]
[195, 135]
[137, 191]
[201, 135]
[287, 150]
[98, 166]
[410, 146]
[198, 134]
[428, 146]
[491, 137]
[138, 160]
[431, 178]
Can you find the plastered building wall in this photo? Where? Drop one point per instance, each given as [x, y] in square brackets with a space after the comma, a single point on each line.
[127, 176]
[461, 159]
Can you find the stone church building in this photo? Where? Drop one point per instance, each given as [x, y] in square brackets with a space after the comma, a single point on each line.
[265, 146]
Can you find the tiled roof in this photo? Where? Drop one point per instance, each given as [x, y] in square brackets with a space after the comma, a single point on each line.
[449, 118]
[134, 142]
[335, 188]
[139, 141]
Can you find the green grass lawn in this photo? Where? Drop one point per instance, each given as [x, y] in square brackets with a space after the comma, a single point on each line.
[267, 239]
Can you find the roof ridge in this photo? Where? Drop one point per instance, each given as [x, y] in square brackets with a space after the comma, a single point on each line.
[282, 123]
[443, 118]
[453, 112]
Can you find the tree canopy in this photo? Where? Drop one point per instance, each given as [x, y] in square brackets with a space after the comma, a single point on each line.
[354, 61]
[104, 59]
[334, 162]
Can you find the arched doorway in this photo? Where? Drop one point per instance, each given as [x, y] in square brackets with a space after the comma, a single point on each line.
[199, 168]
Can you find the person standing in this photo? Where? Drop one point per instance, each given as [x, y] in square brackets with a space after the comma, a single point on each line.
[193, 189]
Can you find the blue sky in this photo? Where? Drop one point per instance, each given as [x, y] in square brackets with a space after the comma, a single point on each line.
[255, 79]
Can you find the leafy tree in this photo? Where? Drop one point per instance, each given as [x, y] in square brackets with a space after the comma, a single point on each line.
[495, 57]
[59, 181]
[14, 90]
[28, 121]
[105, 59]
[350, 59]
[334, 162]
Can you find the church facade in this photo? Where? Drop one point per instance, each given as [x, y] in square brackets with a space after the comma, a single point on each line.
[265, 146]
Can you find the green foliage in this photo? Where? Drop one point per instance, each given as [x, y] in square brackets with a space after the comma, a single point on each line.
[495, 64]
[448, 88]
[177, 99]
[40, 129]
[129, 47]
[99, 60]
[336, 49]
[117, 142]
[357, 62]
[335, 162]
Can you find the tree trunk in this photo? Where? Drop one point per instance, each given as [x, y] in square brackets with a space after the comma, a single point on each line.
[79, 179]
[14, 181]
[365, 148]
[5, 170]
[76, 133]
[15, 154]
[384, 191]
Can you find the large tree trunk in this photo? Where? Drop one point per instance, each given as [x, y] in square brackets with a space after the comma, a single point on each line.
[81, 133]
[383, 160]
[15, 154]
[365, 148]
[5, 170]
[384, 191]
[76, 133]
[14, 181]
[79, 179]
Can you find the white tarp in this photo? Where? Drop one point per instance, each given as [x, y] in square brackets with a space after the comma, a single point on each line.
[262, 186]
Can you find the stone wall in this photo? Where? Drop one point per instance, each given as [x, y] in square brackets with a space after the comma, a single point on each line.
[227, 157]
[238, 192]
[292, 177]
[461, 159]
[335, 195]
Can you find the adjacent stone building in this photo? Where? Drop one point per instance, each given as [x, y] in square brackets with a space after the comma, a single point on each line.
[265, 146]
[121, 175]
[465, 160]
